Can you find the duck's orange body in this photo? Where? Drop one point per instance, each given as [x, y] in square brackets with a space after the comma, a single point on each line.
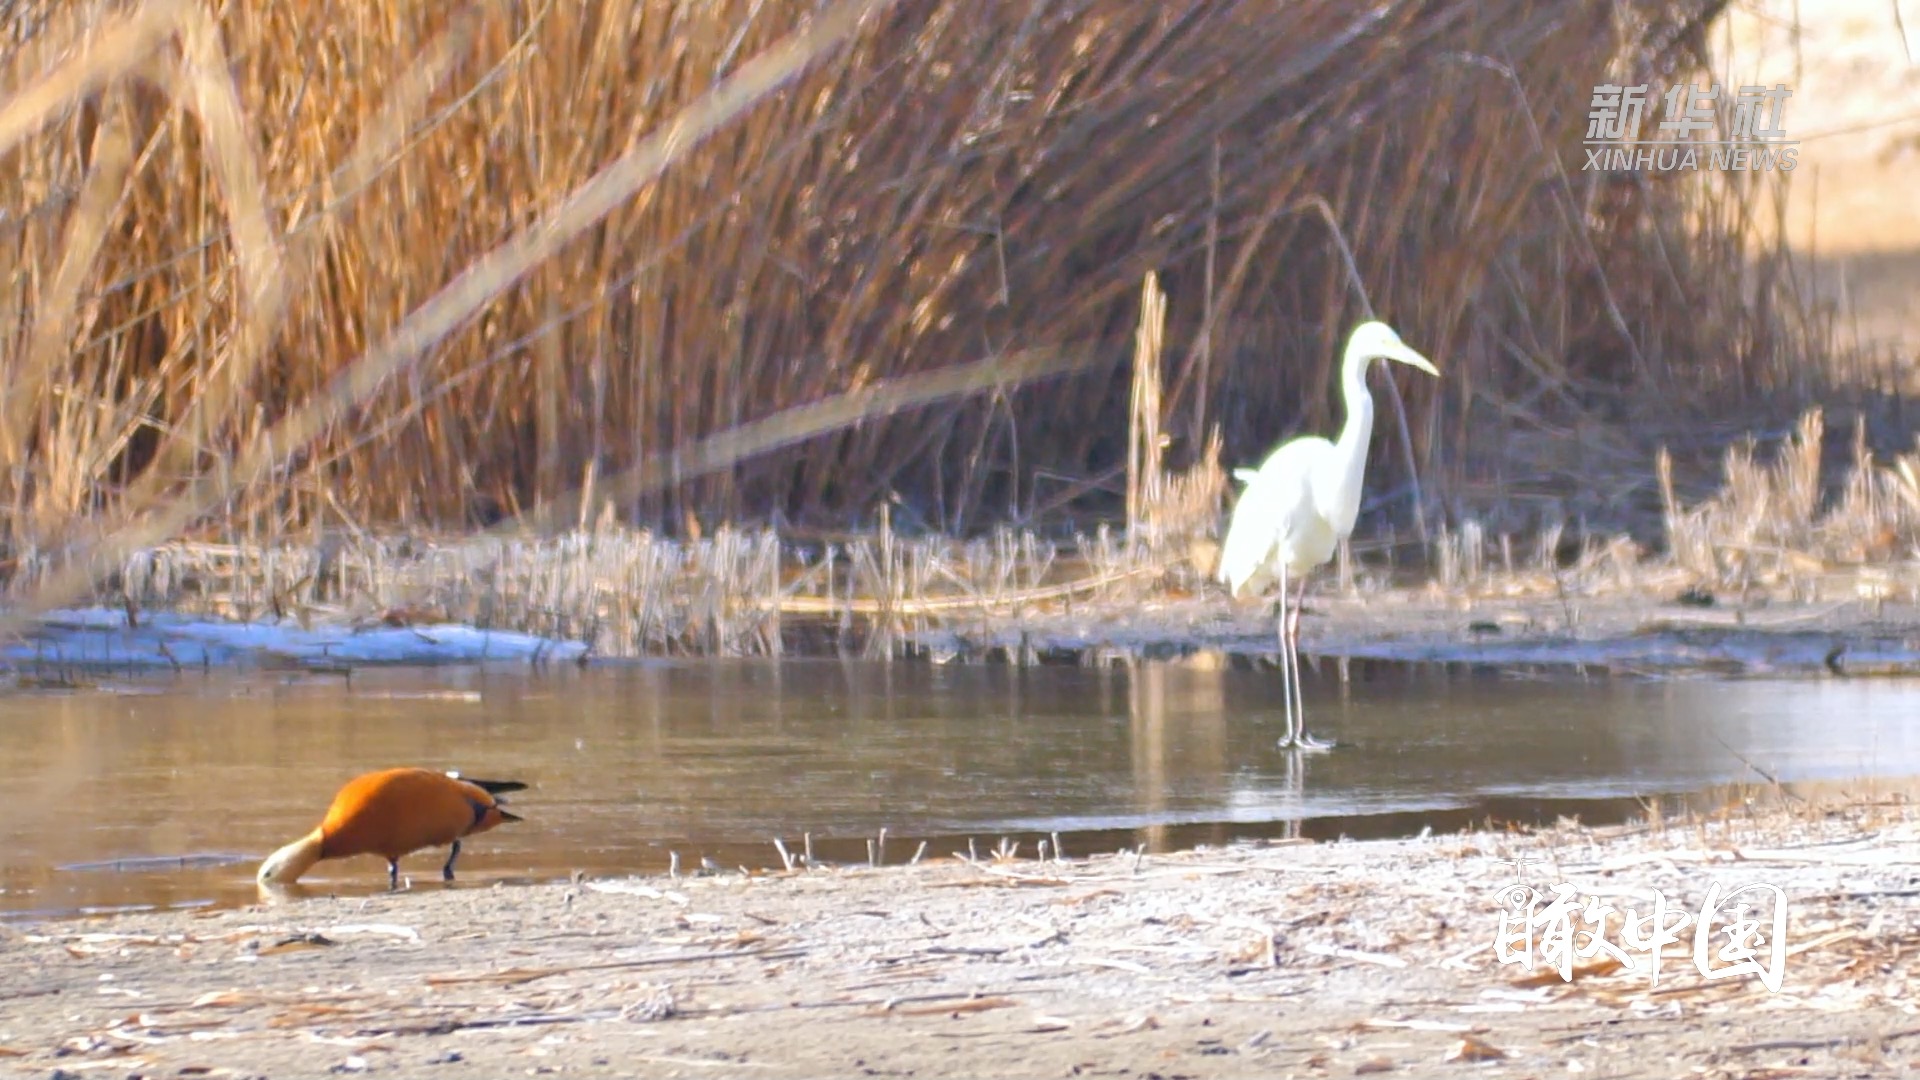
[394, 813]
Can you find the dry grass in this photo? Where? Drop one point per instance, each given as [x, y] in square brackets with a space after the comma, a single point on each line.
[632, 593]
[1789, 528]
[393, 266]
[1793, 522]
[1786, 519]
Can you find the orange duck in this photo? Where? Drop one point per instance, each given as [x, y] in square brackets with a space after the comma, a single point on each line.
[393, 813]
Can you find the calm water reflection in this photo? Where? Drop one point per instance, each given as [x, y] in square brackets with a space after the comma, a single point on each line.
[159, 780]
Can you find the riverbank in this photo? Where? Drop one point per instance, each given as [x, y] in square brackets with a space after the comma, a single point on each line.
[1636, 630]
[1764, 575]
[1303, 959]
[1657, 620]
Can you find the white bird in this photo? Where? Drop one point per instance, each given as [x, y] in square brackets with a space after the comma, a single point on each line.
[1302, 501]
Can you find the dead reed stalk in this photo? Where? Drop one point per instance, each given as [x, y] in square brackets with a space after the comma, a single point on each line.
[1144, 475]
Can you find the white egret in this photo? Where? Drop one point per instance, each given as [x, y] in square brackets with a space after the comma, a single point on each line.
[1301, 502]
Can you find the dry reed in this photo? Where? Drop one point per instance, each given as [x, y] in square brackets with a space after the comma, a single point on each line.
[1789, 520]
[308, 267]
[629, 593]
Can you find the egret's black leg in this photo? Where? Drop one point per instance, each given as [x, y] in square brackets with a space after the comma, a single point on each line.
[1286, 673]
[1289, 668]
[393, 875]
[1301, 740]
[446, 872]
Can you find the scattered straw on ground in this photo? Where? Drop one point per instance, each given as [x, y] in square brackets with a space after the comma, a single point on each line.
[1288, 959]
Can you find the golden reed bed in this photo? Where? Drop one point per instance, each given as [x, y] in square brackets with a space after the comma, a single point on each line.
[301, 267]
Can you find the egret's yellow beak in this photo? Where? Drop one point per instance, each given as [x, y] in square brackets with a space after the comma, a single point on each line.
[1413, 359]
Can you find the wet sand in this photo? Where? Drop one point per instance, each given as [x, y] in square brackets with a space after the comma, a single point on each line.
[1304, 959]
[1642, 627]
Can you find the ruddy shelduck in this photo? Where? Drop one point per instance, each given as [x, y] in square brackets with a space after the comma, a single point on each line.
[393, 813]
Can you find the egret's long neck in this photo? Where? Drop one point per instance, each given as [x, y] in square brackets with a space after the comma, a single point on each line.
[1342, 506]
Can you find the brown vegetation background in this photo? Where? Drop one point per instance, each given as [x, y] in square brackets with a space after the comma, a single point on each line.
[212, 223]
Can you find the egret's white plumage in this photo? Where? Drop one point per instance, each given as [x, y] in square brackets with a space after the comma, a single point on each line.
[1303, 500]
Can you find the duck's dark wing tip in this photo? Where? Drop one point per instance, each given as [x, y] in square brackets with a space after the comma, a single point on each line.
[491, 787]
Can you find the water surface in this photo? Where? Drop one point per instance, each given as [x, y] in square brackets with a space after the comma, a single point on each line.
[168, 791]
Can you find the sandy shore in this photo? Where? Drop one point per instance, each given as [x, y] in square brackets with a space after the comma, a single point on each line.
[1286, 959]
[1635, 629]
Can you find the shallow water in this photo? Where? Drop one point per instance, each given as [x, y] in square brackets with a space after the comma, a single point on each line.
[167, 792]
